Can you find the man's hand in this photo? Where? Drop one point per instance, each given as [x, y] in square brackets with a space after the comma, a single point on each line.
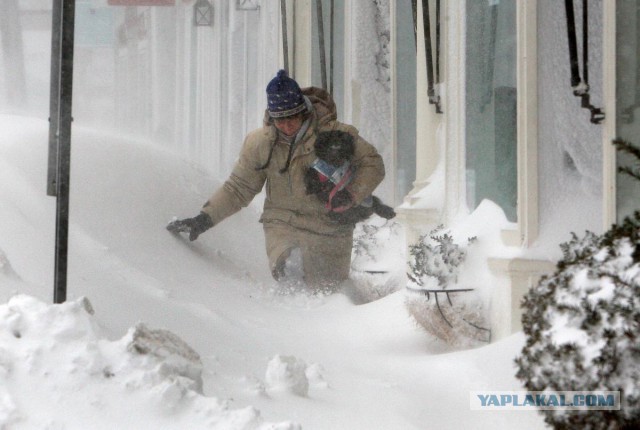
[194, 226]
[342, 201]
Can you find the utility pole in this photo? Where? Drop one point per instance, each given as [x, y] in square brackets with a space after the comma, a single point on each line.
[61, 122]
[54, 97]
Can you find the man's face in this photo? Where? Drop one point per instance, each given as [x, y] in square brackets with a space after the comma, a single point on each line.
[289, 125]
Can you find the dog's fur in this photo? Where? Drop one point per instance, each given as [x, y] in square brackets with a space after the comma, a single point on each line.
[336, 147]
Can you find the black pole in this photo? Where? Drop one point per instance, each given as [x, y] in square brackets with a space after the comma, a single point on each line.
[414, 12]
[426, 23]
[331, 34]
[585, 41]
[285, 44]
[64, 150]
[573, 43]
[54, 96]
[437, 79]
[582, 91]
[323, 60]
[437, 42]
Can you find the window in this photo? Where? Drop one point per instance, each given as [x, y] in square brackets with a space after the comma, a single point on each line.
[491, 104]
[627, 100]
[405, 93]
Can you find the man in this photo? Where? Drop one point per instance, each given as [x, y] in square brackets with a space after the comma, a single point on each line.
[279, 154]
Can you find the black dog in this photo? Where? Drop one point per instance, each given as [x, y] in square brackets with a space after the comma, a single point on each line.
[331, 172]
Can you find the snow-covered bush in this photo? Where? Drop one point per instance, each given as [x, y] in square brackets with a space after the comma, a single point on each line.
[435, 260]
[376, 269]
[365, 242]
[450, 312]
[625, 147]
[583, 327]
[582, 324]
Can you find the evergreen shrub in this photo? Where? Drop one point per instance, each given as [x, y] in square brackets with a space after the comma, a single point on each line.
[582, 327]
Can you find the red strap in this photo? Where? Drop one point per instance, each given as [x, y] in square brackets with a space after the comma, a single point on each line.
[339, 186]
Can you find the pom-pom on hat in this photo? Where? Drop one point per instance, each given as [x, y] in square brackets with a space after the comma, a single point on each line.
[284, 97]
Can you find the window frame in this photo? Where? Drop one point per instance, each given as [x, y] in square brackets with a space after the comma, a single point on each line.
[527, 123]
[527, 224]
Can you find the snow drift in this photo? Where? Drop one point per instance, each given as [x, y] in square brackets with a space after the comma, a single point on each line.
[160, 302]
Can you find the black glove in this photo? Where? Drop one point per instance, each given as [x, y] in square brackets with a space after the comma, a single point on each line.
[194, 226]
[382, 210]
[342, 198]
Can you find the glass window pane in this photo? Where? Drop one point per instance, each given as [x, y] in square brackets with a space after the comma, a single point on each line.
[406, 100]
[491, 138]
[627, 100]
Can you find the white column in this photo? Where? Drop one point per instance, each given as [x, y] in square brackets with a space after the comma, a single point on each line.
[301, 40]
[204, 93]
[182, 112]
[427, 153]
[424, 206]
[454, 102]
[527, 87]
[392, 165]
[609, 124]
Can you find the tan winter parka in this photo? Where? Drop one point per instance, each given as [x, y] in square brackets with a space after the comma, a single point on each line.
[286, 198]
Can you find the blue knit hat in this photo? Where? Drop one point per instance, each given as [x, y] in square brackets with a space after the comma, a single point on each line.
[284, 97]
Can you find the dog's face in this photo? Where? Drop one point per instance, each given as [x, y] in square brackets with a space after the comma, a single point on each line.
[334, 147]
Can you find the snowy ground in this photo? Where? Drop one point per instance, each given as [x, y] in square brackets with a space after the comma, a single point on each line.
[268, 359]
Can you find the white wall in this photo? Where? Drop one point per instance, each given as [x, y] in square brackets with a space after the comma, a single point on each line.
[570, 148]
[368, 101]
[234, 61]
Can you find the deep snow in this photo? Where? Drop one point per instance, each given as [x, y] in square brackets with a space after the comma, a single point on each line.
[268, 357]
